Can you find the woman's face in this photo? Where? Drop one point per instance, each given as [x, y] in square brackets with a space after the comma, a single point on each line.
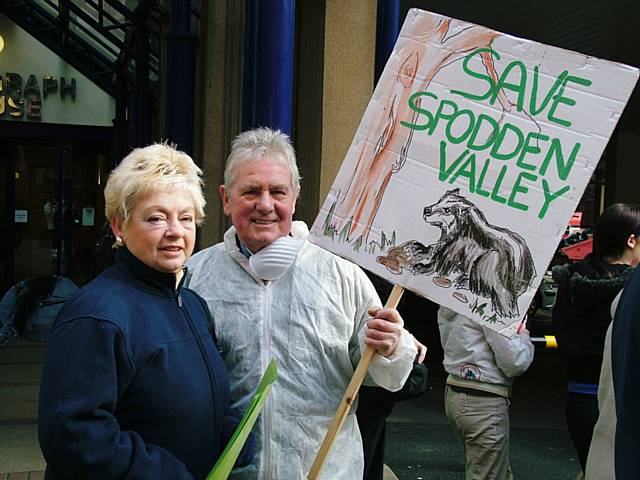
[161, 231]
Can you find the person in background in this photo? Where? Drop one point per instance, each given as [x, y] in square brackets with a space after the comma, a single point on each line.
[481, 364]
[274, 294]
[625, 358]
[375, 404]
[601, 458]
[132, 383]
[581, 314]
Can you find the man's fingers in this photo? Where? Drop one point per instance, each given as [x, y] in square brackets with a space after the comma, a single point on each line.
[383, 331]
[380, 334]
[384, 341]
[373, 311]
[383, 325]
[422, 350]
[384, 347]
[422, 353]
[389, 314]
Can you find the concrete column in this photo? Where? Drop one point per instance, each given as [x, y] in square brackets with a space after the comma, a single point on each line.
[349, 59]
[221, 105]
[334, 82]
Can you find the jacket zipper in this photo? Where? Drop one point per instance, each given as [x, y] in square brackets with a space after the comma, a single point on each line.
[48, 303]
[203, 352]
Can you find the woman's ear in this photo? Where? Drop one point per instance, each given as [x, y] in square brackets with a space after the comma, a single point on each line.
[116, 227]
[632, 241]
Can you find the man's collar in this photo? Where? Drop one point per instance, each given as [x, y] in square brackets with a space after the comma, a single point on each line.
[243, 248]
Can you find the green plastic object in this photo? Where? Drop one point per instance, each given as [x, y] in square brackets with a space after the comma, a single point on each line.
[224, 465]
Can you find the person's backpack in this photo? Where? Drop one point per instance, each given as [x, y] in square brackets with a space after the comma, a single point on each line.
[29, 308]
[416, 384]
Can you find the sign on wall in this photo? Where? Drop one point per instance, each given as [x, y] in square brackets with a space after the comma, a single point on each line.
[38, 86]
[469, 162]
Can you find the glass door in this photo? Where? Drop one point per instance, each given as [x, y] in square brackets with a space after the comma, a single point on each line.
[7, 235]
[90, 251]
[52, 213]
[39, 210]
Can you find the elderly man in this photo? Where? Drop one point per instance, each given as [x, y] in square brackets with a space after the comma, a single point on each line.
[273, 294]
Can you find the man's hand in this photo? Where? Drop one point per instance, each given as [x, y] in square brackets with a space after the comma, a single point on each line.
[422, 350]
[522, 328]
[383, 330]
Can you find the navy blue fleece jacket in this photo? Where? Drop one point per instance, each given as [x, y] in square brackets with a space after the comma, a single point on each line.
[625, 366]
[132, 384]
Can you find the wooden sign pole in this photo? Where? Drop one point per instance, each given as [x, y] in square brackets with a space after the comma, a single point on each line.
[349, 396]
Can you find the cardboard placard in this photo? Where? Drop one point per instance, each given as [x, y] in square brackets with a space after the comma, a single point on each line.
[469, 162]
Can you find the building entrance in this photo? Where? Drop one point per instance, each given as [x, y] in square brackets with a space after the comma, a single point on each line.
[52, 210]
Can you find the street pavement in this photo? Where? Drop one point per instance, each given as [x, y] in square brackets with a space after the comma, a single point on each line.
[421, 445]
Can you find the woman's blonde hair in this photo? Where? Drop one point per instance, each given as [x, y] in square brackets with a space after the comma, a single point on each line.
[156, 168]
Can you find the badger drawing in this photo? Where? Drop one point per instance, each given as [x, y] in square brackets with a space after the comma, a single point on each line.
[489, 261]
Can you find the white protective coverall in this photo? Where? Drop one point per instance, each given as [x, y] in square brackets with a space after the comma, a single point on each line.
[311, 321]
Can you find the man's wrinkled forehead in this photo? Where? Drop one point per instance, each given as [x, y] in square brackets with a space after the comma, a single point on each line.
[239, 177]
[246, 183]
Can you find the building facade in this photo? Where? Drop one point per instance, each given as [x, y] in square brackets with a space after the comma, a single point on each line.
[197, 73]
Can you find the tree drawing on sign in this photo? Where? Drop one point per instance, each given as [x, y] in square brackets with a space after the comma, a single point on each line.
[384, 151]
[471, 254]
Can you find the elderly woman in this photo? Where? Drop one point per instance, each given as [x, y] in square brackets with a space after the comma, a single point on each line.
[132, 385]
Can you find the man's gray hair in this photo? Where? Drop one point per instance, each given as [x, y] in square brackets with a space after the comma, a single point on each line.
[259, 144]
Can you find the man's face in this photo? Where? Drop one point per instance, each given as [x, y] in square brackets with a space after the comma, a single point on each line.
[260, 202]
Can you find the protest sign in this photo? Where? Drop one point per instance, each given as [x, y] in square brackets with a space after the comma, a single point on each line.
[468, 163]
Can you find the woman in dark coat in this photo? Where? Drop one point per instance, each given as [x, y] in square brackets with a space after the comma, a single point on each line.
[581, 314]
[132, 385]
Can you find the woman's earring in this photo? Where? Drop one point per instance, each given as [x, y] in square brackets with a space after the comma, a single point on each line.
[119, 241]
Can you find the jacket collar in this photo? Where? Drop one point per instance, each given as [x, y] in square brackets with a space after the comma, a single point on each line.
[139, 274]
[233, 250]
[583, 275]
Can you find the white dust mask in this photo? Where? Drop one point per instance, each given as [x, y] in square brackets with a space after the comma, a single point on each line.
[272, 261]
